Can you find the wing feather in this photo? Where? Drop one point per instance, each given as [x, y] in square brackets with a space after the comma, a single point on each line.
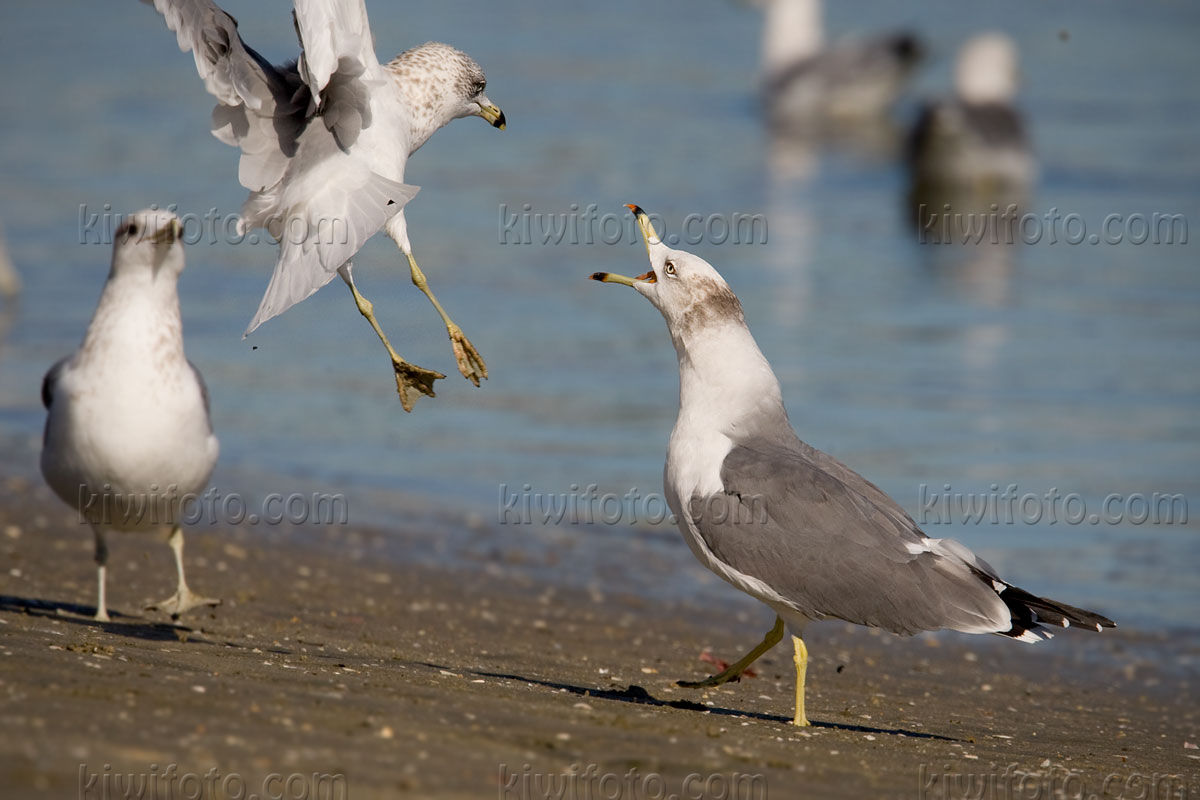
[834, 545]
[338, 63]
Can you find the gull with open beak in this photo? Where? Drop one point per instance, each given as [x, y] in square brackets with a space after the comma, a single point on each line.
[788, 524]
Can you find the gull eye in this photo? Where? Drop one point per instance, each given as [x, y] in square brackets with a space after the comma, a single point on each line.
[478, 88]
[133, 230]
[669, 268]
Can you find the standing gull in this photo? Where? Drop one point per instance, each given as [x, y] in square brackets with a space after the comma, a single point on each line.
[325, 140]
[786, 523]
[128, 434]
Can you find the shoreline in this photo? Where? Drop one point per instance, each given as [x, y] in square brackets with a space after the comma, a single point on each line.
[331, 656]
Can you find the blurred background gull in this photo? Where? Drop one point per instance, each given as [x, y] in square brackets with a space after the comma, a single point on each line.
[1076, 371]
[971, 154]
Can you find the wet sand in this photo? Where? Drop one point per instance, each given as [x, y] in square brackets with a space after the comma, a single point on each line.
[334, 656]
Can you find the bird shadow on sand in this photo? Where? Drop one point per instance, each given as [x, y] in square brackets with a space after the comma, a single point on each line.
[639, 696]
[124, 624]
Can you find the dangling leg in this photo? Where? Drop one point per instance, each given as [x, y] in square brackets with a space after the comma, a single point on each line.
[101, 564]
[801, 659]
[470, 363]
[737, 668]
[183, 599]
[411, 380]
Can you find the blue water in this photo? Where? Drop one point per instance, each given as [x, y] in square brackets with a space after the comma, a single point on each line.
[1045, 366]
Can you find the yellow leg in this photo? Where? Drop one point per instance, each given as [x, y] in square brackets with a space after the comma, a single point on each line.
[801, 659]
[770, 640]
[410, 379]
[470, 363]
[183, 599]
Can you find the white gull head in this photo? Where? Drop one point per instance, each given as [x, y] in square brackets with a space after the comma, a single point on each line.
[148, 244]
[987, 70]
[725, 382]
[441, 83]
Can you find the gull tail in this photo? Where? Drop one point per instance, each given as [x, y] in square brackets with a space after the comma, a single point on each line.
[321, 234]
[1030, 613]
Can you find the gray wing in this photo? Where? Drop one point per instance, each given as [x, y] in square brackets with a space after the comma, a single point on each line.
[834, 545]
[338, 63]
[203, 393]
[992, 125]
[876, 66]
[49, 387]
[50, 381]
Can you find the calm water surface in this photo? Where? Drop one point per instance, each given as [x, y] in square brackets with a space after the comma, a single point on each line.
[1047, 366]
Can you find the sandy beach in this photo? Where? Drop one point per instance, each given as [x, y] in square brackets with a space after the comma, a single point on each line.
[336, 670]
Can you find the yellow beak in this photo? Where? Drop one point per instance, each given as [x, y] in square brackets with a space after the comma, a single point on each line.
[167, 234]
[649, 235]
[492, 113]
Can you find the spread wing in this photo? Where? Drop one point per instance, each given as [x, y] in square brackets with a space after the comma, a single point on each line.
[262, 108]
[338, 63]
[834, 545]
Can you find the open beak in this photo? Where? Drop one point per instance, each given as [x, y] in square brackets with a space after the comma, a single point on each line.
[650, 237]
[492, 113]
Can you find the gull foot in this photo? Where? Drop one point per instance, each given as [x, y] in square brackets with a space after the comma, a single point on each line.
[707, 683]
[722, 665]
[413, 381]
[183, 600]
[470, 363]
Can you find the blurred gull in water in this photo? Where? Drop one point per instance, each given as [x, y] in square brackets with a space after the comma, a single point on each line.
[973, 150]
[809, 84]
[322, 189]
[128, 434]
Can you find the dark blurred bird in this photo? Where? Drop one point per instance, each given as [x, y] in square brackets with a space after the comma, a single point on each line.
[973, 149]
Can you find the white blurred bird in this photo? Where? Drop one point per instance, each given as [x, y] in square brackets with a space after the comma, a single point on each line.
[325, 140]
[128, 434]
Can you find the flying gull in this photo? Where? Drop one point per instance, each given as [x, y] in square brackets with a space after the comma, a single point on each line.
[975, 142]
[807, 82]
[128, 435]
[324, 143]
[788, 524]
